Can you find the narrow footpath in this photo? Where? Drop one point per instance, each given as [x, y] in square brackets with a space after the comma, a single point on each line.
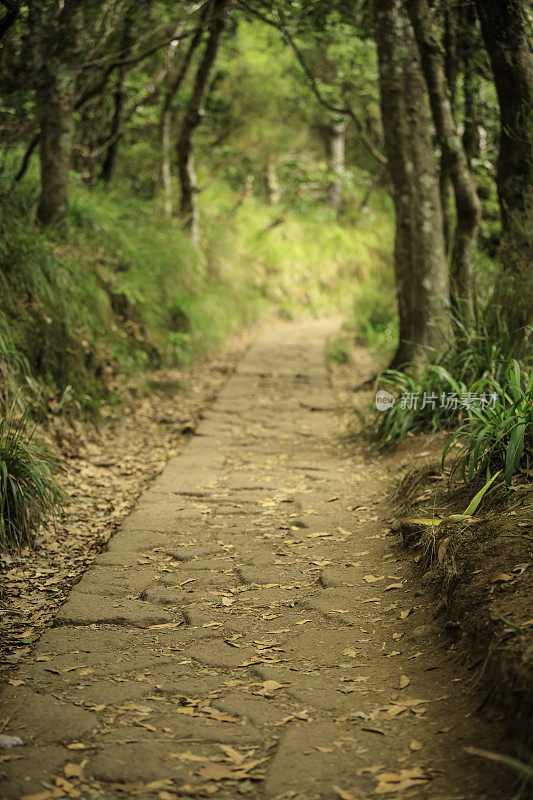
[250, 631]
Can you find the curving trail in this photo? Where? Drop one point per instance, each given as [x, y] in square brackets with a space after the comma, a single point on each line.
[249, 631]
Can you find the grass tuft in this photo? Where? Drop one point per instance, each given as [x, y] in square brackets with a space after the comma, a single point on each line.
[29, 492]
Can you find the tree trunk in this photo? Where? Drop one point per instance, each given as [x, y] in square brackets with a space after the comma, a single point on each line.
[420, 261]
[9, 18]
[119, 101]
[337, 131]
[167, 117]
[451, 67]
[504, 31]
[446, 202]
[471, 84]
[56, 37]
[193, 116]
[468, 207]
[272, 183]
[166, 174]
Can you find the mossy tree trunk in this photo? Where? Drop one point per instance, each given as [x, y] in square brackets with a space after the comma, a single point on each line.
[470, 46]
[420, 260]
[173, 86]
[505, 33]
[336, 152]
[56, 35]
[467, 205]
[119, 101]
[193, 117]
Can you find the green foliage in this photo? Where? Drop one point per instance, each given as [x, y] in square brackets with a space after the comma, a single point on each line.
[309, 263]
[472, 362]
[124, 291]
[339, 350]
[424, 411]
[29, 493]
[480, 352]
[500, 437]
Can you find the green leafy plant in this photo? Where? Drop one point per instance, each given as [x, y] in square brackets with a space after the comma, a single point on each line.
[426, 413]
[498, 436]
[28, 490]
[466, 516]
[485, 350]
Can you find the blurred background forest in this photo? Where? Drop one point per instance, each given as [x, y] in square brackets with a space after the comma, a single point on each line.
[117, 286]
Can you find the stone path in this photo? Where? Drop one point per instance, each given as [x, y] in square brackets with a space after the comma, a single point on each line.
[250, 631]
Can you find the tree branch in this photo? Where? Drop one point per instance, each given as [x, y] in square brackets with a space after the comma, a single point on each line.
[97, 88]
[346, 110]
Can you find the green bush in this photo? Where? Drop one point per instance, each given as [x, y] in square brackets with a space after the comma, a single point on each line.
[471, 363]
[28, 490]
[498, 437]
[419, 405]
[339, 350]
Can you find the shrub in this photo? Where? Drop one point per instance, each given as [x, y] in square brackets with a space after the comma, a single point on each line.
[339, 350]
[421, 408]
[499, 437]
[471, 364]
[28, 489]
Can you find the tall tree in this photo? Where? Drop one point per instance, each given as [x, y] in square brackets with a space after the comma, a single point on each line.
[420, 260]
[119, 100]
[504, 31]
[470, 48]
[336, 158]
[468, 207]
[193, 117]
[173, 85]
[56, 36]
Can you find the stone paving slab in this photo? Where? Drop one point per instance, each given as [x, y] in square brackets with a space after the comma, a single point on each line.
[247, 633]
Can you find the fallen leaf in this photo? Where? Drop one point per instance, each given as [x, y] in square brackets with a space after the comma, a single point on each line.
[400, 781]
[223, 772]
[500, 577]
[404, 681]
[370, 578]
[442, 548]
[73, 770]
[188, 756]
[344, 795]
[232, 754]
[393, 586]
[153, 786]
[415, 745]
[271, 686]
[218, 715]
